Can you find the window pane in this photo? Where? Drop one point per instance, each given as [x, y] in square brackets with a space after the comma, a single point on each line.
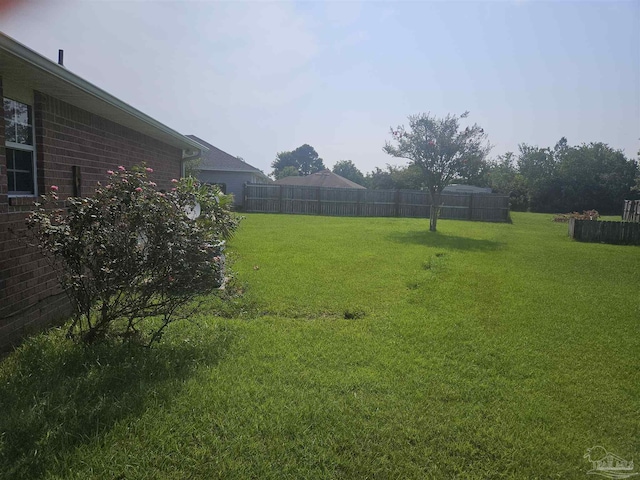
[18, 120]
[8, 109]
[10, 131]
[9, 155]
[23, 134]
[24, 182]
[23, 160]
[23, 113]
[20, 171]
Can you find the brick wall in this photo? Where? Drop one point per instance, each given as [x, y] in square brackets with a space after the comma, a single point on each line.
[66, 137]
[4, 183]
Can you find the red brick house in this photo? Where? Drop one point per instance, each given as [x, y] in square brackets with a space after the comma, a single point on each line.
[59, 129]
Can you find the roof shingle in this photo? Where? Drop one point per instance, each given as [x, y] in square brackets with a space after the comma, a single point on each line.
[216, 159]
[323, 178]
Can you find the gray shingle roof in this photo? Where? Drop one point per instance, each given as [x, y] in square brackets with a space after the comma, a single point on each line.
[458, 188]
[216, 159]
[323, 178]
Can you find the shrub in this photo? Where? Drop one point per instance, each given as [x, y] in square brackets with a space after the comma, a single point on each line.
[132, 258]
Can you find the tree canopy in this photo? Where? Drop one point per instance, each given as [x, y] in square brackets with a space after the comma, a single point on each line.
[304, 160]
[395, 178]
[584, 177]
[348, 170]
[441, 149]
[565, 178]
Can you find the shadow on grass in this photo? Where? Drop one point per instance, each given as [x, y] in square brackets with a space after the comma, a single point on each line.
[439, 240]
[56, 395]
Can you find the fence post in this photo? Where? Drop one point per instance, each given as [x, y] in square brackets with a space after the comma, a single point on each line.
[280, 199]
[470, 214]
[318, 199]
[397, 203]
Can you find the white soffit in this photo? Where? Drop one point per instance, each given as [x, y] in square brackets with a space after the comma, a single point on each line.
[23, 66]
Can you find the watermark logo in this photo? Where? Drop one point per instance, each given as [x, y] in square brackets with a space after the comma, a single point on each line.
[609, 465]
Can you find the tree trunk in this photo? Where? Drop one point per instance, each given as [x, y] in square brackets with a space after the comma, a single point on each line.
[433, 221]
[434, 211]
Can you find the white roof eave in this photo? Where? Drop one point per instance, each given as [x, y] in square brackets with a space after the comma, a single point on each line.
[57, 81]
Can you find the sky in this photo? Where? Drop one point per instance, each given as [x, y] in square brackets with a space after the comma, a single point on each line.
[255, 78]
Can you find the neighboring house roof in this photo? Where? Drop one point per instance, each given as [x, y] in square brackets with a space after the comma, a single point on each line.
[458, 188]
[21, 64]
[216, 159]
[323, 178]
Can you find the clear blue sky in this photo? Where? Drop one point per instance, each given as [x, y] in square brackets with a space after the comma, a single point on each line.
[256, 78]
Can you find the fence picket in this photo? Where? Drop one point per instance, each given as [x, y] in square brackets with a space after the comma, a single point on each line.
[631, 211]
[597, 231]
[352, 202]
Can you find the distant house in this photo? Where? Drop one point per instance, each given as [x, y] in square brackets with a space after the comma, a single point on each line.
[58, 129]
[455, 188]
[229, 172]
[323, 178]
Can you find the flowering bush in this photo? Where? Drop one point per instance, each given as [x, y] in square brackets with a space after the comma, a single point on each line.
[132, 258]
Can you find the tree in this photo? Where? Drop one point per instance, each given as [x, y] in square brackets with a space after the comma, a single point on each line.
[288, 171]
[595, 176]
[585, 177]
[406, 177]
[503, 177]
[132, 258]
[379, 179]
[441, 149]
[538, 166]
[304, 159]
[348, 170]
[395, 178]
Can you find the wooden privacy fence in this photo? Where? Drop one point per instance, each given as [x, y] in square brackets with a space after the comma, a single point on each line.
[631, 212]
[620, 233]
[355, 202]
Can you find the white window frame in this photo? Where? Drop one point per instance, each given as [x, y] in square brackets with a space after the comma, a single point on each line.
[25, 148]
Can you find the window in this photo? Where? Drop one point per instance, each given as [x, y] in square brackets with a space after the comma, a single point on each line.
[18, 128]
[221, 186]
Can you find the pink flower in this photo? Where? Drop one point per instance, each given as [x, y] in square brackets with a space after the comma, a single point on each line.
[149, 170]
[173, 180]
[54, 188]
[138, 189]
[124, 180]
[121, 168]
[174, 189]
[111, 172]
[160, 194]
[153, 184]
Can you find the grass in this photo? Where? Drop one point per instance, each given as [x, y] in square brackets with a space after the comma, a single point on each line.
[362, 348]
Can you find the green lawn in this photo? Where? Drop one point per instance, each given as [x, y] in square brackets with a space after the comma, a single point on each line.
[481, 351]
